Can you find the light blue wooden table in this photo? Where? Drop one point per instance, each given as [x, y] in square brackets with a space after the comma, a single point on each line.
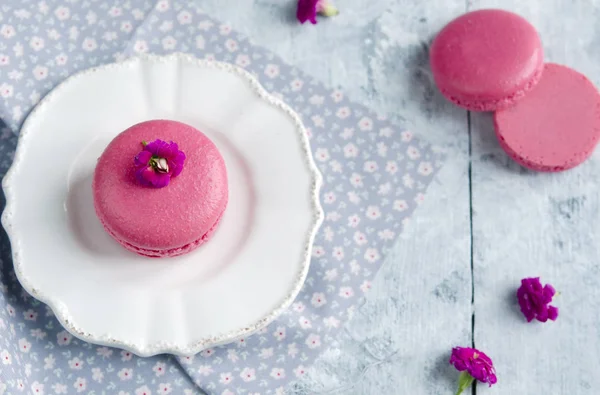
[486, 222]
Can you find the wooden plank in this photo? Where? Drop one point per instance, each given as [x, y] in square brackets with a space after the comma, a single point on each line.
[529, 224]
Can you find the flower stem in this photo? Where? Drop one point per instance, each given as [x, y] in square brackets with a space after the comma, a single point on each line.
[465, 380]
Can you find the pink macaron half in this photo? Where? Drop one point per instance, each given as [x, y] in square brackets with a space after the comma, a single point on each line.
[168, 221]
[486, 60]
[556, 126]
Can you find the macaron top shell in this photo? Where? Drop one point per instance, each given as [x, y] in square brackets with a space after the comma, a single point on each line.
[160, 218]
[486, 55]
[555, 126]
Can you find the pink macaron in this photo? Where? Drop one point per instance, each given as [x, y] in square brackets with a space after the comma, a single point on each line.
[160, 220]
[554, 127]
[486, 60]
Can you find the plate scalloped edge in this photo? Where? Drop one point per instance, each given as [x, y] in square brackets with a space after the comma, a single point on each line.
[61, 311]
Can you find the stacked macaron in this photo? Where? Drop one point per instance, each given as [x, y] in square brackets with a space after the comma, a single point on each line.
[547, 116]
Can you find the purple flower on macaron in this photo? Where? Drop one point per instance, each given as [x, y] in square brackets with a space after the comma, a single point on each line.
[308, 10]
[534, 300]
[157, 163]
[472, 365]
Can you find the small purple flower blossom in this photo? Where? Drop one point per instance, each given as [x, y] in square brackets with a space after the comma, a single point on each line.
[473, 364]
[157, 163]
[308, 10]
[535, 300]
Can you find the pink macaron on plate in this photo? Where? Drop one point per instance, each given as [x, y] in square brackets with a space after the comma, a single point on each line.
[244, 272]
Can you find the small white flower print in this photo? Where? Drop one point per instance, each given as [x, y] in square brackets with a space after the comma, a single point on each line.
[89, 44]
[165, 26]
[162, 5]
[406, 136]
[300, 371]
[356, 180]
[104, 352]
[338, 253]
[370, 166]
[36, 43]
[115, 11]
[138, 14]
[91, 18]
[313, 341]
[187, 360]
[333, 216]
[365, 286]
[49, 362]
[227, 392]
[232, 355]
[277, 373]
[241, 343]
[391, 167]
[382, 149]
[425, 168]
[4, 60]
[292, 350]
[322, 154]
[17, 113]
[384, 189]
[331, 322]
[224, 29]
[318, 251]
[343, 112]
[279, 333]
[76, 363]
[337, 96]
[169, 42]
[347, 133]
[336, 166]
[80, 384]
[385, 132]
[205, 370]
[330, 274]
[272, 70]
[354, 198]
[159, 369]
[22, 14]
[126, 27]
[200, 42]
[346, 292]
[266, 353]
[205, 25]
[408, 181]
[125, 374]
[30, 315]
[7, 31]
[43, 7]
[360, 238]
[140, 46]
[164, 388]
[18, 51]
[62, 13]
[109, 36]
[316, 100]
[329, 198]
[38, 334]
[373, 212]
[40, 72]
[318, 121]
[413, 153]
[209, 352]
[242, 60]
[372, 255]
[299, 307]
[420, 198]
[226, 378]
[400, 205]
[97, 374]
[296, 85]
[231, 45]
[24, 345]
[144, 390]
[386, 234]
[73, 33]
[20, 385]
[304, 323]
[37, 388]
[318, 299]
[53, 34]
[350, 150]
[184, 17]
[365, 124]
[60, 388]
[5, 357]
[61, 59]
[329, 233]
[353, 221]
[126, 356]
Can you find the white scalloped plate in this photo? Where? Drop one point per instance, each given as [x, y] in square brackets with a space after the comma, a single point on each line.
[237, 283]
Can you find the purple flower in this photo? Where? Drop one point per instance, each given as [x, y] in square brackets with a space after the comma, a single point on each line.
[535, 300]
[473, 364]
[157, 163]
[308, 10]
